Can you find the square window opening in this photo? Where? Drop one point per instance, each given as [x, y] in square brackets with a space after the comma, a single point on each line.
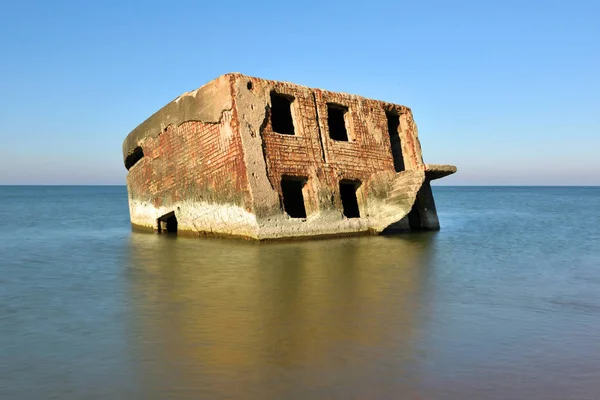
[293, 199]
[349, 200]
[281, 114]
[336, 120]
[167, 223]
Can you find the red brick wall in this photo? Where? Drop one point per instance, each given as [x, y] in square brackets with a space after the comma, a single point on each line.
[313, 154]
[194, 161]
[293, 155]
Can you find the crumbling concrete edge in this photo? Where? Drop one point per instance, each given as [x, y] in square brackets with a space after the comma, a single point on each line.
[205, 104]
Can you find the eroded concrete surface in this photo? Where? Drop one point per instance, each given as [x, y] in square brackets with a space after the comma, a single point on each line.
[213, 157]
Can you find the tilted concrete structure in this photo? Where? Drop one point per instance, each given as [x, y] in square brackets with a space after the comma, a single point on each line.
[261, 159]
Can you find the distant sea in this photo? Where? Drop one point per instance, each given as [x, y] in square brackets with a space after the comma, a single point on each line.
[502, 303]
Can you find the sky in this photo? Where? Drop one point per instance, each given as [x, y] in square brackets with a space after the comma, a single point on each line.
[508, 91]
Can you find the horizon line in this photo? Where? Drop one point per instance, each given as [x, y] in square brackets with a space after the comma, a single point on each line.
[125, 185]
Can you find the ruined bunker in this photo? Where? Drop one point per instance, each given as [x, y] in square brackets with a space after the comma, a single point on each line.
[260, 159]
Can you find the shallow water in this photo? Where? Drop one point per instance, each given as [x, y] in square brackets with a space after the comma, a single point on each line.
[502, 303]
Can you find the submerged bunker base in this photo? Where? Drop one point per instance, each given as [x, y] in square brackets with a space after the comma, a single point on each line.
[260, 159]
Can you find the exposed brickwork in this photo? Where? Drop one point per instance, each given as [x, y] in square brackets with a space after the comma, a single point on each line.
[311, 153]
[191, 162]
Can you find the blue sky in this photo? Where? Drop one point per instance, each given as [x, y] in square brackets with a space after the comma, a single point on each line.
[509, 91]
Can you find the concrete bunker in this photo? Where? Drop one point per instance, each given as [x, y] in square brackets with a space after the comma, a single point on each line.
[168, 223]
[264, 160]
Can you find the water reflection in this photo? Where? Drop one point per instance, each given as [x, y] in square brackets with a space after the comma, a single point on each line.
[231, 319]
[503, 303]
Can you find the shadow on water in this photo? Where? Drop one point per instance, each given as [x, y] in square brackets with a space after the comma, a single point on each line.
[244, 320]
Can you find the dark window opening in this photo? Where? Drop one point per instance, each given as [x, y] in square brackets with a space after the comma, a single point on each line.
[281, 114]
[349, 200]
[136, 155]
[414, 217]
[337, 123]
[393, 121]
[293, 199]
[167, 223]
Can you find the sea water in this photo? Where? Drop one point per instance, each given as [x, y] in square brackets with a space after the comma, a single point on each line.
[502, 303]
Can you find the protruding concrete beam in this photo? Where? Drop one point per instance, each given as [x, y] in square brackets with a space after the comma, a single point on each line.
[437, 171]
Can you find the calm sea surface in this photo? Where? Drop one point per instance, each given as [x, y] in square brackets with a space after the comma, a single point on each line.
[502, 303]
